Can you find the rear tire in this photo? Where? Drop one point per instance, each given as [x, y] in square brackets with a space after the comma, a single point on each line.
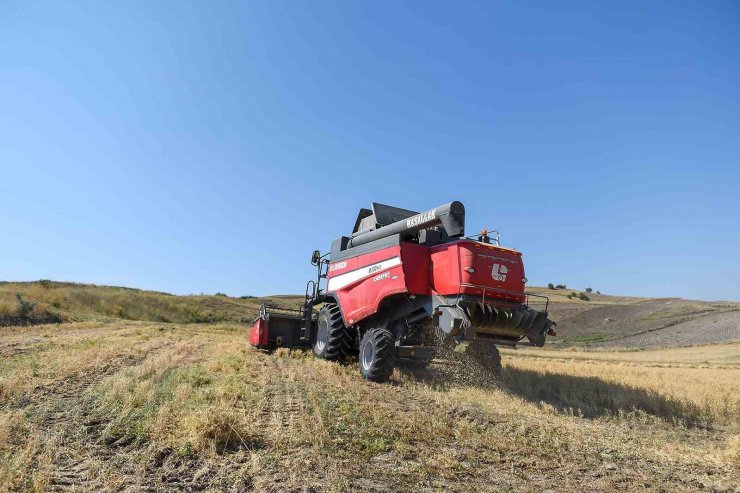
[377, 355]
[486, 355]
[333, 339]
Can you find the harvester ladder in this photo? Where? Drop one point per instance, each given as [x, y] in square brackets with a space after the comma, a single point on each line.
[307, 310]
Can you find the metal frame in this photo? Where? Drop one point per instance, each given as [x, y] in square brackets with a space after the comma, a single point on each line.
[314, 297]
[487, 298]
[506, 292]
[267, 310]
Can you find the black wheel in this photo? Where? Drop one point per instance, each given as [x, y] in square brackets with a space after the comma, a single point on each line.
[333, 340]
[377, 355]
[487, 356]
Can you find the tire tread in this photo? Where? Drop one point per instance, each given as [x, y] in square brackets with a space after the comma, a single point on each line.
[339, 343]
[384, 355]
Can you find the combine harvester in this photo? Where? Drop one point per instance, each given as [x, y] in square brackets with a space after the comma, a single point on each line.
[403, 286]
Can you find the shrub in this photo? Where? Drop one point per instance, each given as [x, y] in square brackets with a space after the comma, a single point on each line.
[560, 286]
[246, 297]
[23, 307]
[598, 292]
[220, 294]
[45, 283]
[570, 296]
[573, 294]
[584, 297]
[550, 286]
[588, 290]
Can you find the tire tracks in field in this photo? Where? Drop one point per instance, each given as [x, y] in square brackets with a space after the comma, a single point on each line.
[285, 399]
[63, 413]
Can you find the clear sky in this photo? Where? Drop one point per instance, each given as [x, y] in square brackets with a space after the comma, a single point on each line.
[210, 146]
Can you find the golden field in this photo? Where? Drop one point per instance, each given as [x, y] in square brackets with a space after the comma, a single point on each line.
[144, 406]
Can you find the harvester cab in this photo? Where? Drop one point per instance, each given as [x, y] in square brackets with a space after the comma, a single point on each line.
[405, 286]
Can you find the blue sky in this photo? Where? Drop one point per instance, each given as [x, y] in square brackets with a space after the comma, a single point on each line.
[212, 146]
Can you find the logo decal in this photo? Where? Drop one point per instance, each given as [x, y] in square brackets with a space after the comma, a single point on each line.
[337, 266]
[498, 272]
[496, 257]
[341, 280]
[420, 219]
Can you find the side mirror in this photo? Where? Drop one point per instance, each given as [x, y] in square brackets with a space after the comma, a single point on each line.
[315, 257]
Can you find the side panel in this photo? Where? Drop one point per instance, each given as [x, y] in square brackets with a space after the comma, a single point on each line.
[258, 335]
[445, 268]
[478, 269]
[415, 260]
[361, 283]
[277, 330]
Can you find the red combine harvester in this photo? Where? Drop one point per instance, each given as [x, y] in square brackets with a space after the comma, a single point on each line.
[405, 284]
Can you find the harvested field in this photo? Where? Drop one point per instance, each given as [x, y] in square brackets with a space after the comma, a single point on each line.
[645, 323]
[136, 406]
[711, 328]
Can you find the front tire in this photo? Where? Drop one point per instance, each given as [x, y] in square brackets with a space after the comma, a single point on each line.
[333, 340]
[377, 355]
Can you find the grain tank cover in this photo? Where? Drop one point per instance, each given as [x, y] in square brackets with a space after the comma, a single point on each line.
[380, 215]
[386, 221]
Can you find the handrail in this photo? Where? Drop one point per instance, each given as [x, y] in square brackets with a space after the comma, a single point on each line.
[267, 309]
[517, 294]
[547, 299]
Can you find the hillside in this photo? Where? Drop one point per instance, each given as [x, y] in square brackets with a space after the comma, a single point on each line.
[618, 321]
[603, 321]
[66, 302]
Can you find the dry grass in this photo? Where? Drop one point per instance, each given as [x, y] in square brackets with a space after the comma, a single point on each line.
[709, 356]
[134, 406]
[698, 386]
[78, 302]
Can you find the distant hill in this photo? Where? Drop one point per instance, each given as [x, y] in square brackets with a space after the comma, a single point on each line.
[602, 321]
[51, 301]
[618, 321]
